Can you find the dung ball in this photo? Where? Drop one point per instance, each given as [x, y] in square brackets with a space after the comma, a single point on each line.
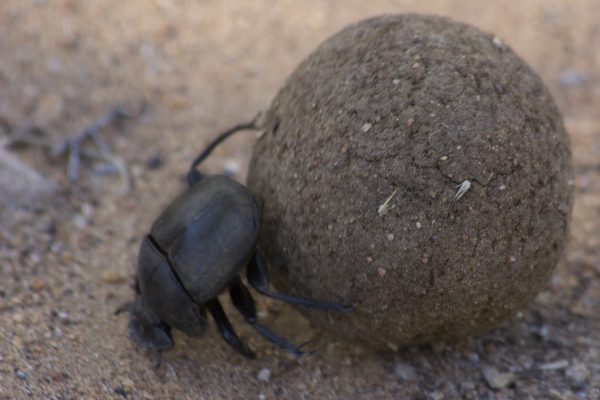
[417, 168]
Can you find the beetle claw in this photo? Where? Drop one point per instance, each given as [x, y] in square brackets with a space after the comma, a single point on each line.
[227, 332]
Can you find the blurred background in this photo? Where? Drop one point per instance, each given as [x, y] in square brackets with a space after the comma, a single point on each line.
[194, 68]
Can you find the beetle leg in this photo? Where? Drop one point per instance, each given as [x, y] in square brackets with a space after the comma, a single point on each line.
[258, 277]
[243, 301]
[226, 330]
[193, 175]
[157, 359]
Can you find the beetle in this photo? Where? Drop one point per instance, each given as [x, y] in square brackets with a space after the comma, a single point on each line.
[194, 251]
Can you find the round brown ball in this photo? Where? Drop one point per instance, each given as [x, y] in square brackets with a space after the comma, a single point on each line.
[365, 150]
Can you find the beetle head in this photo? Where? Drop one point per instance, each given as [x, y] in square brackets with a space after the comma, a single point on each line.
[146, 329]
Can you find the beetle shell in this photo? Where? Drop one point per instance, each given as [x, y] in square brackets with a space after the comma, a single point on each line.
[206, 235]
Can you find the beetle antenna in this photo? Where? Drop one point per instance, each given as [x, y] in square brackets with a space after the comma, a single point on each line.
[220, 138]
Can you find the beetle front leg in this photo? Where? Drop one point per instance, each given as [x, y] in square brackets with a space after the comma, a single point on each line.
[243, 301]
[258, 277]
[226, 330]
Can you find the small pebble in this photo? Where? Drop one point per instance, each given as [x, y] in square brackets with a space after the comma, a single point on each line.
[66, 318]
[556, 395]
[63, 315]
[264, 375]
[572, 78]
[390, 236]
[498, 43]
[82, 219]
[381, 271]
[496, 379]
[21, 374]
[366, 127]
[541, 332]
[474, 358]
[112, 276]
[56, 247]
[392, 346]
[405, 372]
[231, 168]
[436, 395]
[466, 386]
[578, 374]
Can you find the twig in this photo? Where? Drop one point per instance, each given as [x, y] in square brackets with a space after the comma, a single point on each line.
[386, 206]
[462, 189]
[72, 146]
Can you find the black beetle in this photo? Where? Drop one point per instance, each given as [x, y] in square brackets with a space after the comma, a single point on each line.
[195, 250]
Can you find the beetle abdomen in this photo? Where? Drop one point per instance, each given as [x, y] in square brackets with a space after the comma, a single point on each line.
[209, 232]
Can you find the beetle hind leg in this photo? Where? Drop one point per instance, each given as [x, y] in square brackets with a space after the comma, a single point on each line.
[243, 301]
[226, 330]
[193, 175]
[258, 277]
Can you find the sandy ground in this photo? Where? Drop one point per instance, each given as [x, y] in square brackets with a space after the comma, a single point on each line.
[66, 263]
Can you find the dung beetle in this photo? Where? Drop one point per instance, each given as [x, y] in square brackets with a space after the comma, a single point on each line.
[195, 250]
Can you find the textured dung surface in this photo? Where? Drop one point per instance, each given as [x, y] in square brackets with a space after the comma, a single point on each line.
[413, 105]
